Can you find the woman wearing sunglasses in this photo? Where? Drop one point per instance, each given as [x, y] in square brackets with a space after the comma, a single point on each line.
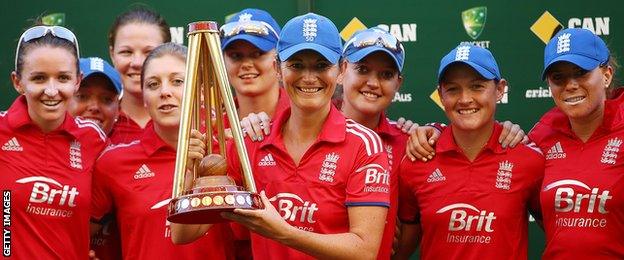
[582, 195]
[131, 38]
[248, 40]
[371, 77]
[471, 200]
[47, 156]
[324, 179]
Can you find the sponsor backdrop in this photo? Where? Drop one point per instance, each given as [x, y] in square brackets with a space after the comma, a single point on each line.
[515, 32]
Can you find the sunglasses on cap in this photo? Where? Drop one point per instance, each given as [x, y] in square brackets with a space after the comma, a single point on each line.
[372, 38]
[249, 27]
[41, 31]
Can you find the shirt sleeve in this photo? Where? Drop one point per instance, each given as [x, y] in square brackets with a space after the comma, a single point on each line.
[409, 212]
[535, 189]
[101, 196]
[369, 183]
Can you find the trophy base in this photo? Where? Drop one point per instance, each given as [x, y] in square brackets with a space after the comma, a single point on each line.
[204, 205]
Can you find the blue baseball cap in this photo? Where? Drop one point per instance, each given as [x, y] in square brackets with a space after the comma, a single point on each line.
[480, 59]
[365, 42]
[310, 32]
[252, 25]
[578, 46]
[94, 65]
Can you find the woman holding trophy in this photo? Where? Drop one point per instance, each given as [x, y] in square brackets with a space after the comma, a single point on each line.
[135, 178]
[323, 179]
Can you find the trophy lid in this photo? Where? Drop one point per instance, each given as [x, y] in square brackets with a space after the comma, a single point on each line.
[203, 26]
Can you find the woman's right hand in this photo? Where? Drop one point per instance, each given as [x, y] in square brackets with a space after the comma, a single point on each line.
[420, 143]
[197, 148]
[256, 125]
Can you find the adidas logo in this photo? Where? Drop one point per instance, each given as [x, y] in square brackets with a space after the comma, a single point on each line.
[143, 173]
[267, 161]
[555, 152]
[436, 176]
[12, 145]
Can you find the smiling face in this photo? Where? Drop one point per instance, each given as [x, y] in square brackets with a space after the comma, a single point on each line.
[96, 100]
[163, 88]
[370, 84]
[250, 70]
[48, 80]
[469, 100]
[579, 93]
[133, 42]
[309, 80]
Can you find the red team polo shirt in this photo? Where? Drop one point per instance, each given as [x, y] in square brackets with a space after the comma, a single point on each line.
[582, 194]
[125, 130]
[48, 176]
[345, 167]
[394, 141]
[136, 180]
[472, 210]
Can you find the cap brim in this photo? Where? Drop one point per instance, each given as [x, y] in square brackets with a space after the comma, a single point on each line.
[92, 73]
[584, 62]
[360, 54]
[481, 70]
[262, 43]
[330, 55]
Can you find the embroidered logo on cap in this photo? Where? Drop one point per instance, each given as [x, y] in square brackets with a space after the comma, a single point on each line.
[463, 52]
[563, 43]
[96, 64]
[309, 29]
[244, 17]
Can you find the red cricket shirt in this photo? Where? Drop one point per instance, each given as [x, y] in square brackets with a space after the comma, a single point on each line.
[394, 142]
[136, 180]
[582, 195]
[346, 166]
[125, 130]
[472, 210]
[47, 178]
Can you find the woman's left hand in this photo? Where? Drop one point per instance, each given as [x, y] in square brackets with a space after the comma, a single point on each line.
[266, 222]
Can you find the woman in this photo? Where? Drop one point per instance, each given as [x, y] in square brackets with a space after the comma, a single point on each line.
[581, 195]
[326, 175]
[97, 98]
[135, 179]
[471, 200]
[131, 38]
[47, 156]
[371, 77]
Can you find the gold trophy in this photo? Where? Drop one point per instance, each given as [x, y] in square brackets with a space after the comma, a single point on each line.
[207, 88]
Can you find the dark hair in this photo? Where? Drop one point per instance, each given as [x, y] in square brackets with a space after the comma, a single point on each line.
[48, 40]
[170, 48]
[139, 15]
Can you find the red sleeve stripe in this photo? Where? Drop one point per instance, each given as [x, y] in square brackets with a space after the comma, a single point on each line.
[370, 138]
[86, 123]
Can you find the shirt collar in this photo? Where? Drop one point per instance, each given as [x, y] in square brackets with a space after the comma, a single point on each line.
[446, 142]
[333, 130]
[18, 117]
[387, 127]
[151, 142]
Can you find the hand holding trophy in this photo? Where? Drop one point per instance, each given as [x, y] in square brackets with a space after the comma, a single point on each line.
[207, 89]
